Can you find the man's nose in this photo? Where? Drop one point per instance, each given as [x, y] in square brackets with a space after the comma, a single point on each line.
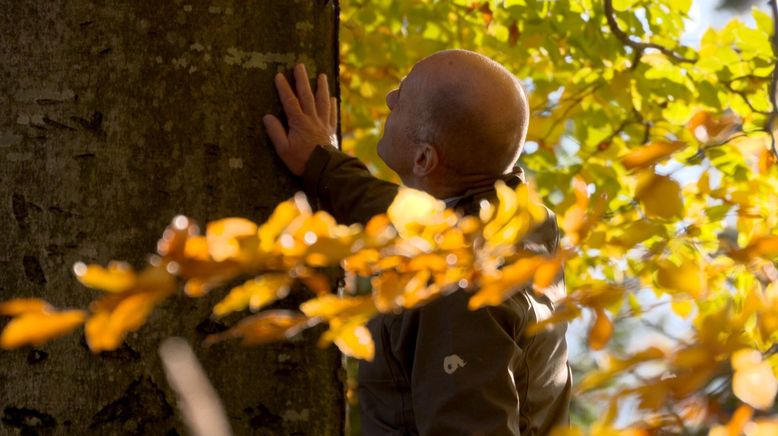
[391, 99]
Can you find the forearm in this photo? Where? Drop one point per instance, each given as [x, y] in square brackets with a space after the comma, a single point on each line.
[341, 185]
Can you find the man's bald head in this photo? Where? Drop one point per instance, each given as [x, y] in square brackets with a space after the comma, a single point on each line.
[472, 109]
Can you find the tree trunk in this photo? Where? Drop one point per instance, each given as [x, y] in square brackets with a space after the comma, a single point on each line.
[115, 116]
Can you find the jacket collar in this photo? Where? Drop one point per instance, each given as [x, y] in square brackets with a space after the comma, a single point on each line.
[469, 201]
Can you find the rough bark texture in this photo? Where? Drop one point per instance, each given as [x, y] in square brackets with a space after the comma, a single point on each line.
[114, 117]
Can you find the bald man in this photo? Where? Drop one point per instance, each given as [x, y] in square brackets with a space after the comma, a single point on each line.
[457, 125]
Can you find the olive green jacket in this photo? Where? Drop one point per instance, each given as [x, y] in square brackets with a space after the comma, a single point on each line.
[442, 369]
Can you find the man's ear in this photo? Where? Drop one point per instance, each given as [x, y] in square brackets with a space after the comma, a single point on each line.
[426, 160]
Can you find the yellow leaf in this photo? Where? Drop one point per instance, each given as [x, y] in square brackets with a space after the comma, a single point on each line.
[332, 306]
[387, 290]
[577, 221]
[378, 231]
[635, 233]
[688, 278]
[762, 246]
[114, 315]
[361, 261]
[650, 154]
[601, 331]
[412, 209]
[683, 308]
[429, 262]
[511, 279]
[264, 327]
[105, 329]
[762, 427]
[417, 292]
[703, 184]
[175, 237]
[282, 216]
[223, 237]
[353, 339]
[659, 195]
[254, 293]
[327, 251]
[19, 306]
[36, 328]
[754, 382]
[196, 248]
[547, 273]
[507, 205]
[739, 420]
[117, 277]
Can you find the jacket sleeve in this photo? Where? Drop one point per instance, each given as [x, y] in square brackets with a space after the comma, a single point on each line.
[342, 185]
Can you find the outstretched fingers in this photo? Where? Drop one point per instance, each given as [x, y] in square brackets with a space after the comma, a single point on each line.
[322, 98]
[304, 93]
[276, 132]
[288, 100]
[333, 113]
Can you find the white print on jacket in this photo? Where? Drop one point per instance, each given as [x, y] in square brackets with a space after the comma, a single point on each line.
[452, 363]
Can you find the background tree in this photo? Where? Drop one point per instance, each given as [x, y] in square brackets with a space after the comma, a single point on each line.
[659, 160]
[115, 117]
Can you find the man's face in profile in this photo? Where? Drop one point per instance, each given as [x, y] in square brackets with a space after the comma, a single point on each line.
[396, 146]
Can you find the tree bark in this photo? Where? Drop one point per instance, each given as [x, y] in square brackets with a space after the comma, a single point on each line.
[116, 116]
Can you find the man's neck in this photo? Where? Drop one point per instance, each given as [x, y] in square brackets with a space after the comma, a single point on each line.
[453, 186]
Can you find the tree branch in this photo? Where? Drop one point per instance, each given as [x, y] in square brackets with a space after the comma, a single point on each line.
[638, 46]
[744, 97]
[770, 126]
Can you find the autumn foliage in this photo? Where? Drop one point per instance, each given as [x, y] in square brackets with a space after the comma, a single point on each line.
[659, 160]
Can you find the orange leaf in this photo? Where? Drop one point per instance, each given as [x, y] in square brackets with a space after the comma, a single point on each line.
[547, 273]
[601, 331]
[254, 293]
[117, 277]
[354, 339]
[762, 246]
[36, 328]
[18, 306]
[264, 327]
[650, 154]
[331, 306]
[689, 277]
[511, 279]
[659, 195]
[223, 238]
[754, 381]
[105, 330]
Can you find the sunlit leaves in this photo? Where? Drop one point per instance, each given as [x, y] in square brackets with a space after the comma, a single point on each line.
[117, 277]
[650, 154]
[264, 327]
[660, 196]
[601, 330]
[19, 306]
[35, 322]
[754, 381]
[254, 294]
[115, 315]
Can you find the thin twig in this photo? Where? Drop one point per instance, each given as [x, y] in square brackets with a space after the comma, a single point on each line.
[638, 46]
[743, 96]
[770, 126]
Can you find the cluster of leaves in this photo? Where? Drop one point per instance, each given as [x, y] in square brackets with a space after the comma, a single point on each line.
[414, 253]
[660, 160]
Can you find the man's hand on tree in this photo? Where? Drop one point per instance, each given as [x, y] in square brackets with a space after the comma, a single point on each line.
[312, 120]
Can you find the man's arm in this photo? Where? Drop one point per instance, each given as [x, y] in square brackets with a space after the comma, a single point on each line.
[339, 183]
